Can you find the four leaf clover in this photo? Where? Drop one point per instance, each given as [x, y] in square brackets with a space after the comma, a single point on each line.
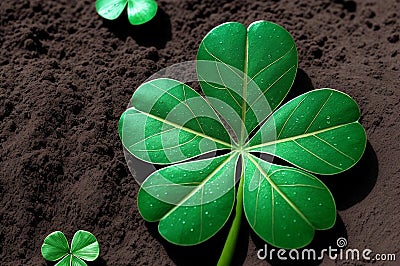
[84, 246]
[139, 11]
[244, 73]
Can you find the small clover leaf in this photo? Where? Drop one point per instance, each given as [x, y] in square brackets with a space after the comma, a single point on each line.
[245, 73]
[84, 246]
[55, 246]
[139, 11]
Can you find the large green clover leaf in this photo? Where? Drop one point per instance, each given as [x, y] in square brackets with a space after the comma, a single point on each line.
[169, 122]
[244, 74]
[253, 71]
[317, 131]
[285, 205]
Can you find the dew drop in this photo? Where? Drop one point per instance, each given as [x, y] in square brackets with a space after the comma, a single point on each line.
[319, 204]
[151, 205]
[191, 229]
[328, 117]
[165, 193]
[288, 235]
[294, 193]
[210, 224]
[348, 137]
[183, 222]
[308, 198]
[206, 213]
[220, 42]
[294, 220]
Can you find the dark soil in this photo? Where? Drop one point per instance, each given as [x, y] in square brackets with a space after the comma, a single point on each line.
[67, 75]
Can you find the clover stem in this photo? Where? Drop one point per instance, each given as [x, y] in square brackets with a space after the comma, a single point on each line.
[230, 244]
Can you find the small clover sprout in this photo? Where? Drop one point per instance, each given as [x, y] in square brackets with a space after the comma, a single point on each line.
[139, 11]
[84, 246]
[245, 74]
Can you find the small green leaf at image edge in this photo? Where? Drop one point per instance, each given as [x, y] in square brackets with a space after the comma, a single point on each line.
[139, 11]
[84, 246]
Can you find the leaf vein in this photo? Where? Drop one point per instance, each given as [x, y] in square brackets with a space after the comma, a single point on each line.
[297, 137]
[269, 87]
[339, 151]
[201, 185]
[315, 155]
[319, 111]
[290, 115]
[222, 62]
[184, 128]
[283, 195]
[163, 148]
[220, 88]
[272, 63]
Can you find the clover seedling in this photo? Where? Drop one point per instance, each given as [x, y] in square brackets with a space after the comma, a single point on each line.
[244, 73]
[139, 11]
[84, 246]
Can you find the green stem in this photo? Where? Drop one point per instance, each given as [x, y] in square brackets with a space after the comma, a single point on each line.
[230, 244]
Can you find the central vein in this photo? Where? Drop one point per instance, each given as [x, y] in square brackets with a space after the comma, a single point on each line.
[244, 102]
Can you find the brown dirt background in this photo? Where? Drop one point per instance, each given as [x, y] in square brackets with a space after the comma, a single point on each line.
[67, 75]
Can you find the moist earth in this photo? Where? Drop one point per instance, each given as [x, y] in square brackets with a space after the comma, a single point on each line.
[66, 75]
